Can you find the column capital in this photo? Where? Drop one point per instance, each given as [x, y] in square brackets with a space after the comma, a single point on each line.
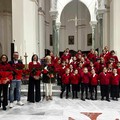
[58, 25]
[54, 14]
[93, 23]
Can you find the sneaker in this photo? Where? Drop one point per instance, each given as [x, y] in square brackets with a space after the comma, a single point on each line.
[11, 105]
[20, 103]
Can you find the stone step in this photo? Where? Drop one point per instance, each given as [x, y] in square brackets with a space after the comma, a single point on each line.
[56, 90]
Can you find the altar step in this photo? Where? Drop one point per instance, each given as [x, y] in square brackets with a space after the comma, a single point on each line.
[56, 90]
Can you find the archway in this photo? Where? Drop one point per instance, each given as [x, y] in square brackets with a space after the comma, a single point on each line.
[75, 35]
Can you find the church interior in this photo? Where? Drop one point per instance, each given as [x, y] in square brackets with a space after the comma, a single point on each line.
[55, 27]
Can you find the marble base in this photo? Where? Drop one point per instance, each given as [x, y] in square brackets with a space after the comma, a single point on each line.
[64, 109]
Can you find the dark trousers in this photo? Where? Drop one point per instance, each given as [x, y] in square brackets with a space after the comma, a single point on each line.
[105, 91]
[84, 88]
[34, 96]
[4, 90]
[74, 90]
[115, 91]
[93, 91]
[64, 87]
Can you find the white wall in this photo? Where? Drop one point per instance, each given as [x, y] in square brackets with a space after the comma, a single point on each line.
[68, 28]
[25, 27]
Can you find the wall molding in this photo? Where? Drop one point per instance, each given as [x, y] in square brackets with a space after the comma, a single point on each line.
[5, 13]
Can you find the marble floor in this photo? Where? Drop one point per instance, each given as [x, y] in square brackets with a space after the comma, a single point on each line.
[64, 109]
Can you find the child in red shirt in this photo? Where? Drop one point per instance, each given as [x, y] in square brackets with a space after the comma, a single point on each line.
[93, 83]
[74, 79]
[65, 83]
[104, 78]
[115, 85]
[85, 80]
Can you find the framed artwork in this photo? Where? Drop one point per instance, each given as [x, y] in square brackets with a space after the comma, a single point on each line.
[89, 39]
[70, 40]
[51, 40]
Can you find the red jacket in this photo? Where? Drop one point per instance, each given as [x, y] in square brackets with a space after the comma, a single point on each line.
[74, 79]
[102, 65]
[64, 57]
[97, 67]
[118, 71]
[94, 79]
[115, 80]
[66, 79]
[104, 78]
[91, 56]
[85, 78]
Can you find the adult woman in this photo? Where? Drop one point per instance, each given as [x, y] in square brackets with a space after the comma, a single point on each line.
[34, 80]
[48, 77]
[5, 77]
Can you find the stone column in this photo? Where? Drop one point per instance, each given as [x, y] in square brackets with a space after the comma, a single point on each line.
[100, 31]
[100, 12]
[115, 26]
[106, 25]
[93, 25]
[57, 38]
[54, 34]
[41, 33]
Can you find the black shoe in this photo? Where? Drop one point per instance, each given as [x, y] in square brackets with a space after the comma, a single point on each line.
[67, 97]
[77, 97]
[87, 98]
[113, 98]
[102, 98]
[116, 99]
[82, 99]
[95, 98]
[4, 108]
[91, 98]
[61, 96]
[108, 100]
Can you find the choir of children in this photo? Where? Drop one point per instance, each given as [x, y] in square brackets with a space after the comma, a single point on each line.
[85, 72]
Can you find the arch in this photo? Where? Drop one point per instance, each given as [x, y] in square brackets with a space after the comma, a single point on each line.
[90, 4]
[80, 3]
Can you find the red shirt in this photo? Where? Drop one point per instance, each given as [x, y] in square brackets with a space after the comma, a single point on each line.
[34, 66]
[85, 78]
[104, 78]
[118, 70]
[74, 79]
[91, 56]
[94, 79]
[97, 67]
[115, 80]
[66, 79]
[64, 57]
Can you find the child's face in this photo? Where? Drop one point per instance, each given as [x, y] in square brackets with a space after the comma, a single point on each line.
[93, 71]
[76, 71]
[85, 70]
[104, 69]
[114, 71]
[67, 71]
